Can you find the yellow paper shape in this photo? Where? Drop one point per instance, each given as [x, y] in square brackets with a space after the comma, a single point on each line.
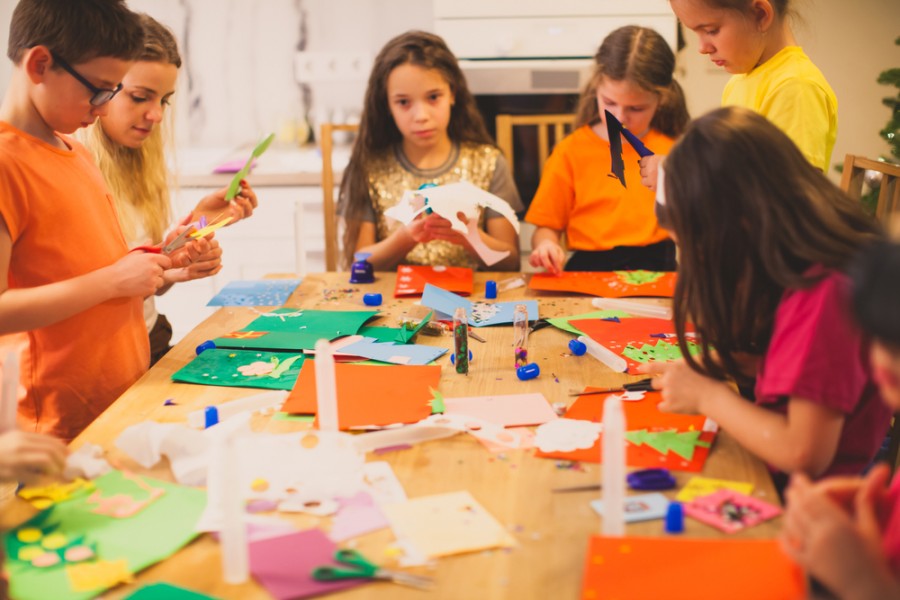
[446, 524]
[101, 574]
[210, 228]
[41, 497]
[702, 486]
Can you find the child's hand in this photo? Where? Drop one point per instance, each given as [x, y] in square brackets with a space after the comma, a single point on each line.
[649, 169]
[26, 456]
[683, 389]
[138, 274]
[418, 229]
[240, 207]
[548, 255]
[207, 263]
[442, 229]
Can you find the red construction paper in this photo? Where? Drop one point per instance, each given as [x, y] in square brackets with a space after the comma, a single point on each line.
[681, 568]
[605, 284]
[635, 331]
[411, 280]
[639, 414]
[370, 394]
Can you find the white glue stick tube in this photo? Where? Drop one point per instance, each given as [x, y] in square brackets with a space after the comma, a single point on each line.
[226, 410]
[326, 387]
[613, 467]
[604, 354]
[233, 535]
[638, 309]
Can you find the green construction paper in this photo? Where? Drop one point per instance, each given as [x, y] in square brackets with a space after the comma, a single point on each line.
[402, 334]
[563, 322]
[682, 443]
[165, 591]
[659, 351]
[219, 366]
[437, 403]
[296, 329]
[282, 416]
[639, 277]
[235, 184]
[151, 535]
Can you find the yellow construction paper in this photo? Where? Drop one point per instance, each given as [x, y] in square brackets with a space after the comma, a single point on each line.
[98, 575]
[210, 228]
[701, 486]
[54, 492]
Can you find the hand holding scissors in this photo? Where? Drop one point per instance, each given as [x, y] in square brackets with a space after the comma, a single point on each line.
[358, 567]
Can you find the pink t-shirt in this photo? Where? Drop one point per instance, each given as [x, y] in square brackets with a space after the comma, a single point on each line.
[817, 353]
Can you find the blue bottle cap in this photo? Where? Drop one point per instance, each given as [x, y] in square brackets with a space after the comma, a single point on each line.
[577, 347]
[453, 357]
[372, 299]
[675, 518]
[490, 289]
[210, 416]
[529, 371]
[207, 345]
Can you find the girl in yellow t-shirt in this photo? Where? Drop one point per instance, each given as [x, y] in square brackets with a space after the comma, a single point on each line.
[611, 227]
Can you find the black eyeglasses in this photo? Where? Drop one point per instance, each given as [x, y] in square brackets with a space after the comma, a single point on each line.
[100, 95]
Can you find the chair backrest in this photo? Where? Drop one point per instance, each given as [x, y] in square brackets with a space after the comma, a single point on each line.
[329, 212]
[560, 124]
[855, 168]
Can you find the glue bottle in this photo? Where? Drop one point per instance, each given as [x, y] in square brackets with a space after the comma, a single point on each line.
[362, 271]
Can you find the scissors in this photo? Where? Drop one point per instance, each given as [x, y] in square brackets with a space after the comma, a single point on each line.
[358, 567]
[643, 385]
[180, 240]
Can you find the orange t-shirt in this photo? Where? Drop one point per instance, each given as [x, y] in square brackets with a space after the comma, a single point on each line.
[577, 195]
[62, 223]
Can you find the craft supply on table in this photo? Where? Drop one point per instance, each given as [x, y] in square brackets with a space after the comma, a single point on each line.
[362, 270]
[644, 385]
[577, 347]
[461, 341]
[529, 371]
[207, 345]
[632, 307]
[490, 289]
[613, 446]
[372, 299]
[356, 566]
[604, 355]
[520, 335]
[675, 518]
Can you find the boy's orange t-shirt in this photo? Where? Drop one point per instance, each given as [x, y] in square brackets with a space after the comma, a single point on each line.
[578, 195]
[63, 223]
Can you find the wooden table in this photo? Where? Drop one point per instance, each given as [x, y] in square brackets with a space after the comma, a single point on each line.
[552, 529]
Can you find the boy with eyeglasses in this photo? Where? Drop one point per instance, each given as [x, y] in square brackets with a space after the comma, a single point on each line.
[66, 275]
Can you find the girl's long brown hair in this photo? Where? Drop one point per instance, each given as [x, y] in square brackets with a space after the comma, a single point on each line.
[642, 56]
[378, 132]
[751, 215]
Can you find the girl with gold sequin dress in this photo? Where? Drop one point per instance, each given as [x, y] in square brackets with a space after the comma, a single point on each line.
[420, 126]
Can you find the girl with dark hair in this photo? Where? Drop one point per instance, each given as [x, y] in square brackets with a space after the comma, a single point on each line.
[611, 227]
[420, 126]
[765, 240]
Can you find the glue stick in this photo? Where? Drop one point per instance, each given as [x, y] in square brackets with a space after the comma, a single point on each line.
[613, 467]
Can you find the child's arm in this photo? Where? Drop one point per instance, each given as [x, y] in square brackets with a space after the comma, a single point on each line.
[805, 439]
[546, 250]
[21, 309]
[26, 456]
[389, 252]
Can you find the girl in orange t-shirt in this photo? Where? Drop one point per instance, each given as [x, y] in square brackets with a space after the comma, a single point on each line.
[611, 227]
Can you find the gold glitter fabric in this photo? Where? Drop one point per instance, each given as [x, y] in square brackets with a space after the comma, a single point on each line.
[390, 176]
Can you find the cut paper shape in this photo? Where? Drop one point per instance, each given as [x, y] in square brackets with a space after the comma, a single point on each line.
[730, 511]
[608, 284]
[480, 314]
[489, 434]
[162, 527]
[41, 544]
[235, 186]
[635, 333]
[408, 329]
[370, 395]
[640, 415]
[615, 130]
[411, 279]
[658, 351]
[42, 497]
[390, 352]
[437, 403]
[102, 574]
[123, 505]
[703, 486]
[681, 443]
[511, 410]
[166, 591]
[211, 228]
[234, 368]
[294, 329]
[567, 435]
[448, 201]
[642, 507]
[265, 292]
[358, 515]
[698, 569]
[565, 323]
[284, 565]
[445, 524]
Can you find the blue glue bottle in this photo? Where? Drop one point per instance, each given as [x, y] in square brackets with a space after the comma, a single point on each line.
[207, 345]
[490, 289]
[675, 518]
[529, 371]
[362, 271]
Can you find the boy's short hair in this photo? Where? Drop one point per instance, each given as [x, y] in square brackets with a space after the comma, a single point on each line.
[876, 292]
[76, 30]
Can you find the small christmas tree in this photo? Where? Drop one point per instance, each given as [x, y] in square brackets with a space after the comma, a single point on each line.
[891, 131]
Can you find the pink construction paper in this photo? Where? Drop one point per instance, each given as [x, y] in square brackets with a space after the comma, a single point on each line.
[512, 410]
[232, 166]
[708, 509]
[284, 565]
[357, 515]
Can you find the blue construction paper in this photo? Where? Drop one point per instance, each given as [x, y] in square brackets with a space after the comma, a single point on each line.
[390, 352]
[480, 314]
[265, 292]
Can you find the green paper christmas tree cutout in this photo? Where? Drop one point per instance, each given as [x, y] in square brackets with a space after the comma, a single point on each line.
[659, 351]
[437, 403]
[682, 443]
[639, 277]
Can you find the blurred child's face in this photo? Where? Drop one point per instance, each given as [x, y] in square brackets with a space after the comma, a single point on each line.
[730, 39]
[140, 106]
[420, 101]
[65, 103]
[886, 367]
[631, 104]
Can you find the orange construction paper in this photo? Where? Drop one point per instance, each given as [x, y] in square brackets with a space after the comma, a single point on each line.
[639, 414]
[636, 331]
[370, 394]
[411, 279]
[677, 568]
[607, 284]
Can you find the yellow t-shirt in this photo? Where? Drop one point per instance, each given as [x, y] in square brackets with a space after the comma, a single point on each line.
[789, 90]
[579, 196]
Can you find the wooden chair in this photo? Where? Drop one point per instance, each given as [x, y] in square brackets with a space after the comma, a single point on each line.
[329, 212]
[560, 124]
[855, 168]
